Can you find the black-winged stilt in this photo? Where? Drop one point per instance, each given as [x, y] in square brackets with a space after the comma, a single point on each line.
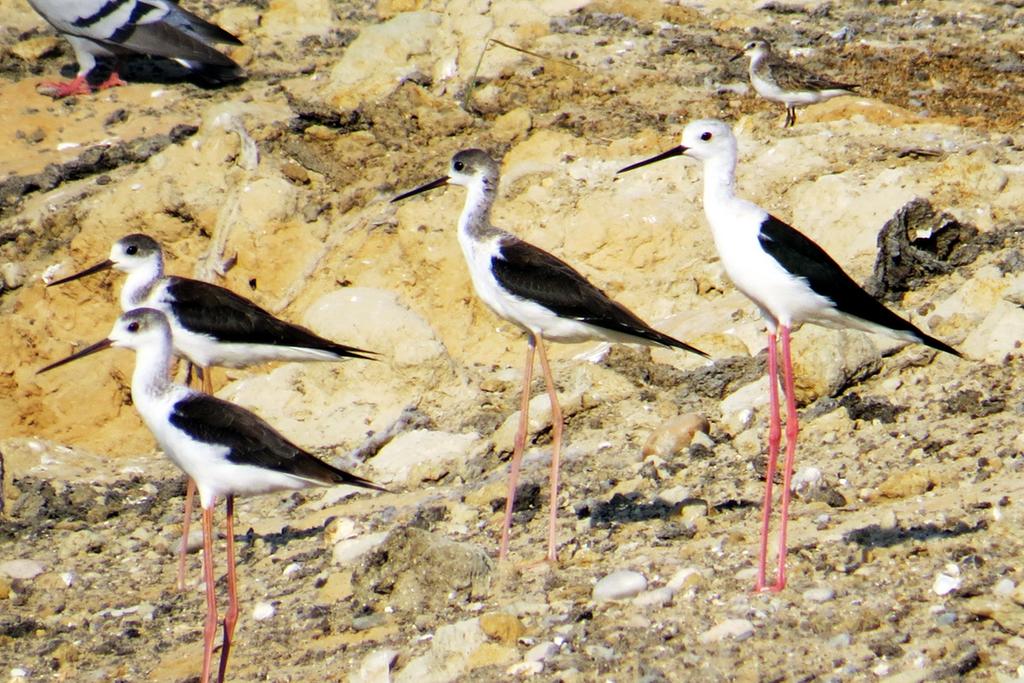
[792, 281]
[540, 293]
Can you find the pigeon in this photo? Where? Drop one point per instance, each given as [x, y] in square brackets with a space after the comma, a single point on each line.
[114, 28]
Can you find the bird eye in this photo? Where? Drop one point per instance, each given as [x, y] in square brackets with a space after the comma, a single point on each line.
[458, 166]
[705, 136]
[131, 250]
[133, 327]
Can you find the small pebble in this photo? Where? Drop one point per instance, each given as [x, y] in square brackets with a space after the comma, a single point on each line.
[737, 629]
[263, 610]
[840, 640]
[541, 652]
[22, 569]
[675, 434]
[946, 584]
[1004, 587]
[684, 578]
[659, 597]
[621, 584]
[820, 594]
[676, 494]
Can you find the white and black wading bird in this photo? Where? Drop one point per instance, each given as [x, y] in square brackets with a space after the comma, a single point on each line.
[792, 281]
[225, 449]
[541, 294]
[789, 84]
[99, 29]
[211, 326]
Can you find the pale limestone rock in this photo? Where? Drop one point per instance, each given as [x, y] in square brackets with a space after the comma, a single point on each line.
[998, 334]
[735, 629]
[673, 435]
[824, 360]
[376, 320]
[738, 408]
[448, 656]
[620, 584]
[22, 569]
[381, 57]
[347, 551]
[375, 667]
[421, 454]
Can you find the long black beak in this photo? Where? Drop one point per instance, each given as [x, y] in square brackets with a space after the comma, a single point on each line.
[735, 57]
[674, 152]
[88, 271]
[87, 351]
[440, 182]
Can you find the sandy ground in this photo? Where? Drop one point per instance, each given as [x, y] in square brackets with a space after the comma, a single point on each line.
[906, 551]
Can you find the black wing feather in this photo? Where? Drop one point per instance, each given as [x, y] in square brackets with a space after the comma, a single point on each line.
[228, 317]
[802, 257]
[251, 441]
[531, 273]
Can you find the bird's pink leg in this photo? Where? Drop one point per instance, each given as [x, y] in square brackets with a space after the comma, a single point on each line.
[792, 429]
[59, 89]
[190, 493]
[113, 81]
[517, 449]
[210, 628]
[231, 617]
[556, 452]
[190, 486]
[774, 436]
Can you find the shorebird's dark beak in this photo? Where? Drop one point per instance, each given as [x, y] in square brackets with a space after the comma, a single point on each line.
[440, 182]
[88, 271]
[674, 152]
[87, 351]
[735, 57]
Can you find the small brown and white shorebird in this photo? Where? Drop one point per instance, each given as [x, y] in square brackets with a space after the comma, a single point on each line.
[792, 281]
[211, 325]
[780, 81]
[544, 296]
[115, 28]
[225, 449]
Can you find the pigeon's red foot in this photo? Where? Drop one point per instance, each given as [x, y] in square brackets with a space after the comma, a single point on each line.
[57, 89]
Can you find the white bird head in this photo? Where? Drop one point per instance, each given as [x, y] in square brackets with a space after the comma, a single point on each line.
[136, 329]
[704, 139]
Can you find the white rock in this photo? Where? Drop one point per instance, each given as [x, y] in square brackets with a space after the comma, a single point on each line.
[820, 594]
[946, 584]
[620, 584]
[263, 610]
[682, 578]
[807, 479]
[375, 667]
[738, 407]
[737, 629]
[448, 656]
[382, 57]
[349, 550]
[676, 494]
[22, 569]
[12, 275]
[659, 597]
[541, 652]
[1004, 587]
[525, 669]
[421, 454]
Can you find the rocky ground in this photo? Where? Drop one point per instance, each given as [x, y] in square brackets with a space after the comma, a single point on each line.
[906, 549]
